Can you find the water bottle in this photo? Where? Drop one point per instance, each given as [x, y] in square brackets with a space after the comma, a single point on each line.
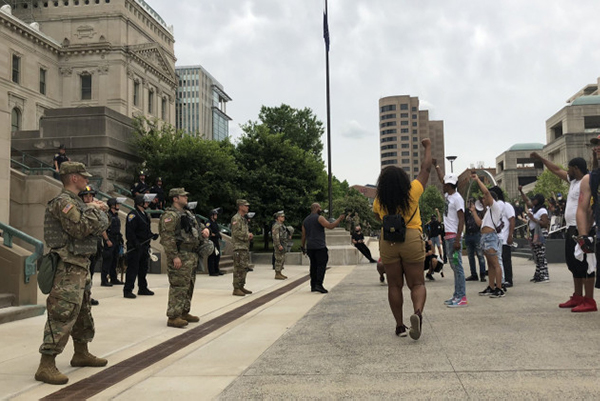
[455, 258]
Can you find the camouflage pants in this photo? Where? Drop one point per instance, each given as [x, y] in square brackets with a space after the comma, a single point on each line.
[69, 310]
[279, 259]
[181, 284]
[241, 259]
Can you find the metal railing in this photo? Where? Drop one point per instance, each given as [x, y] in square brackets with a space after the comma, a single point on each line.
[8, 233]
[25, 169]
[29, 160]
[123, 191]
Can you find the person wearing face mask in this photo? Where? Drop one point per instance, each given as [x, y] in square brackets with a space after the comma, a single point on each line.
[314, 245]
[139, 235]
[358, 240]
[113, 241]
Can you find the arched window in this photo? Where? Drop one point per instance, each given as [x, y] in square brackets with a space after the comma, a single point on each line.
[15, 122]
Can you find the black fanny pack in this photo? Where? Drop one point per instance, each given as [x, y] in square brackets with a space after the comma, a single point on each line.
[394, 227]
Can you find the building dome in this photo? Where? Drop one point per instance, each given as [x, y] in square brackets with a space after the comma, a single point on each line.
[527, 146]
[583, 100]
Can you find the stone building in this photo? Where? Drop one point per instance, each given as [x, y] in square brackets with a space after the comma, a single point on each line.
[75, 72]
[402, 126]
[515, 167]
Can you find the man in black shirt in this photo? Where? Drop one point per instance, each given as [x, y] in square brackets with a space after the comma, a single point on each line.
[59, 158]
[358, 240]
[140, 187]
[215, 237]
[158, 203]
[434, 229]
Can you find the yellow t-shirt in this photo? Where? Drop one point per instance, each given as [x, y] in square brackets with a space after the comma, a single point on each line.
[416, 190]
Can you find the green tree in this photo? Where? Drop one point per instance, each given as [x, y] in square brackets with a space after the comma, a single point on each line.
[206, 169]
[358, 203]
[276, 174]
[430, 200]
[300, 126]
[549, 185]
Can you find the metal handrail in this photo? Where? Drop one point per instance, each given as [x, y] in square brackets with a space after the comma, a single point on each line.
[29, 170]
[123, 191]
[31, 262]
[36, 160]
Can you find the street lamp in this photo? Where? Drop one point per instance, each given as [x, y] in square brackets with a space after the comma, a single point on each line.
[451, 160]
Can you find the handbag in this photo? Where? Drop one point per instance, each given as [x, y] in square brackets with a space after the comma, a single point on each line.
[394, 227]
[498, 228]
[46, 272]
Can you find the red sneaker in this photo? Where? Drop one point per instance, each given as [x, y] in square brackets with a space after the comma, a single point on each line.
[572, 302]
[588, 305]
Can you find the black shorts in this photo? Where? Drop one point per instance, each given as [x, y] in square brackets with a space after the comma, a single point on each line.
[576, 267]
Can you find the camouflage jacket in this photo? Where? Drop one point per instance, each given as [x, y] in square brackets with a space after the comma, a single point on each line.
[240, 237]
[71, 228]
[280, 235]
[179, 232]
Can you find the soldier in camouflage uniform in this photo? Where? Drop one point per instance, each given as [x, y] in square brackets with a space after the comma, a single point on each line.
[280, 236]
[181, 236]
[240, 238]
[71, 230]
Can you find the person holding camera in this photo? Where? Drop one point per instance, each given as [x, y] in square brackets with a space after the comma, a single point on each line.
[397, 196]
[490, 240]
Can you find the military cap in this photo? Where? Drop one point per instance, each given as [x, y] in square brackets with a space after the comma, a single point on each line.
[279, 214]
[74, 168]
[242, 202]
[178, 192]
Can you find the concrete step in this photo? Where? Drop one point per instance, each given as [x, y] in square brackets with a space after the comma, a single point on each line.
[13, 313]
[6, 300]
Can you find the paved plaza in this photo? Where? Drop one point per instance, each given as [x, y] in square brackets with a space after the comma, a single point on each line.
[284, 342]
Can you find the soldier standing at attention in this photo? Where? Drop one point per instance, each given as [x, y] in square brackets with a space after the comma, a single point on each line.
[240, 238]
[180, 235]
[280, 237]
[71, 230]
[138, 234]
[87, 196]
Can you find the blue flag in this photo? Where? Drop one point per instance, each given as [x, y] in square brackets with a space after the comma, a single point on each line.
[326, 31]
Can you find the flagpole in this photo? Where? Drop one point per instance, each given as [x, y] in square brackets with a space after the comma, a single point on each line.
[326, 36]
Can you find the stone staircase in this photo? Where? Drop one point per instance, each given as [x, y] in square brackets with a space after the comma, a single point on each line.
[226, 263]
[9, 312]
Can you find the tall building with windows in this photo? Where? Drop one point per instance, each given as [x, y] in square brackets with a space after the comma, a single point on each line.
[402, 126]
[201, 107]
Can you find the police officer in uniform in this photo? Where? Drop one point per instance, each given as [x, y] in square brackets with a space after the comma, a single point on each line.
[158, 203]
[59, 158]
[113, 241]
[215, 237]
[139, 235]
[240, 238]
[71, 230]
[140, 187]
[181, 235]
[280, 237]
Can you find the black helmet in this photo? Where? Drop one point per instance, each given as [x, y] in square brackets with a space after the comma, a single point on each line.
[112, 202]
[88, 190]
[139, 200]
[62, 146]
[142, 172]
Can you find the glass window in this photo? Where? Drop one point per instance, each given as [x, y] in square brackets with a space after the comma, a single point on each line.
[415, 162]
[387, 162]
[415, 154]
[404, 122]
[163, 108]
[405, 161]
[136, 93]
[15, 122]
[415, 131]
[404, 146]
[404, 130]
[389, 154]
[404, 107]
[391, 107]
[16, 69]
[415, 139]
[404, 115]
[416, 169]
[414, 124]
[414, 116]
[406, 153]
[86, 86]
[404, 138]
[414, 109]
[42, 81]
[150, 102]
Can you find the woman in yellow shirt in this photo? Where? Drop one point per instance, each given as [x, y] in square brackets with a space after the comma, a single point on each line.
[396, 194]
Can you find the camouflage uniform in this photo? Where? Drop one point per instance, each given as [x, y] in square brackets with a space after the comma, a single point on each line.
[71, 230]
[280, 236]
[241, 255]
[180, 235]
